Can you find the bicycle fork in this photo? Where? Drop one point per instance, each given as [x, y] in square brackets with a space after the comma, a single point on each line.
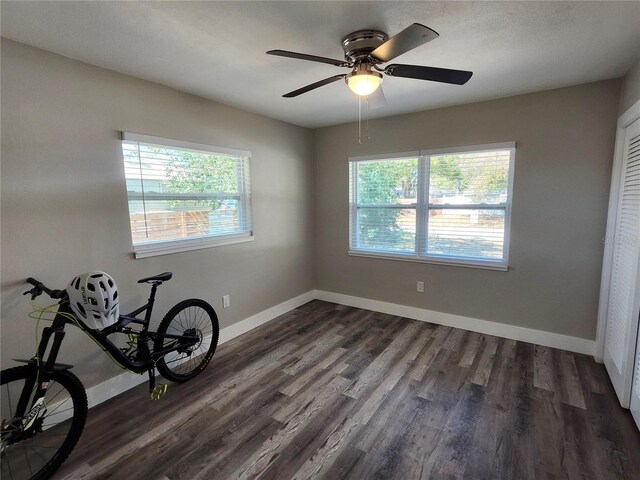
[39, 409]
[19, 427]
[38, 406]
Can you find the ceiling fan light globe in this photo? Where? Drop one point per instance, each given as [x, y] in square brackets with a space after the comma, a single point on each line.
[364, 83]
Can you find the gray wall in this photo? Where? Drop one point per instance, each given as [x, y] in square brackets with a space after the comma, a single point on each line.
[64, 203]
[630, 90]
[563, 163]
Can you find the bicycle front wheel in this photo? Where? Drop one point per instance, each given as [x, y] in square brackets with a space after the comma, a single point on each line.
[36, 443]
[191, 318]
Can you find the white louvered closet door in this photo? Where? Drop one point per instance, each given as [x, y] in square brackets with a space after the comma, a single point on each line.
[624, 298]
[635, 389]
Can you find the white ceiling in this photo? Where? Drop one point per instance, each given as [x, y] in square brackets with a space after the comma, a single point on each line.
[217, 49]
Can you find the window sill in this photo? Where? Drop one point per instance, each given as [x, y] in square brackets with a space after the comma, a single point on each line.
[152, 249]
[449, 261]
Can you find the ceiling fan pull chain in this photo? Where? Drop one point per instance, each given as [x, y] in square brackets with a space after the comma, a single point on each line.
[366, 133]
[360, 120]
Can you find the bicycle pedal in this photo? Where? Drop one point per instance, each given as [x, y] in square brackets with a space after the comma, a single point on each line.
[158, 391]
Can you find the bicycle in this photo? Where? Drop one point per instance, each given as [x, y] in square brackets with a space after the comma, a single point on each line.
[51, 403]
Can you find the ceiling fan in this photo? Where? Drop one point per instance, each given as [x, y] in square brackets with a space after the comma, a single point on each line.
[366, 50]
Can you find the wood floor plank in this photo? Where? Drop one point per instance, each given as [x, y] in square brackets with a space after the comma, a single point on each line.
[577, 430]
[142, 464]
[309, 375]
[441, 333]
[454, 340]
[309, 440]
[490, 440]
[519, 449]
[204, 447]
[385, 458]
[373, 401]
[377, 368]
[616, 436]
[470, 349]
[232, 438]
[378, 426]
[343, 467]
[492, 435]
[500, 387]
[423, 363]
[235, 450]
[543, 375]
[326, 455]
[422, 402]
[261, 459]
[548, 435]
[570, 387]
[391, 396]
[327, 341]
[449, 458]
[437, 372]
[485, 364]
[376, 399]
[241, 384]
[346, 431]
[306, 396]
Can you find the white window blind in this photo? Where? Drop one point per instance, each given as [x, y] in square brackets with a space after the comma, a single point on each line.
[184, 196]
[449, 206]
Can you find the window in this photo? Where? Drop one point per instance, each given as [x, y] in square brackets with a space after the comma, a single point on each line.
[184, 196]
[449, 206]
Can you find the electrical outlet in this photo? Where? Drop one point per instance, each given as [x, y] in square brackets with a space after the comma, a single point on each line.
[420, 287]
[226, 301]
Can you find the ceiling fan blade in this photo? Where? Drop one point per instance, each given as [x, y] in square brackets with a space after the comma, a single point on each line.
[435, 74]
[311, 58]
[313, 86]
[377, 99]
[411, 37]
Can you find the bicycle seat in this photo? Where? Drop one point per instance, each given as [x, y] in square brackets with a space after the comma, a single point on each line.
[163, 277]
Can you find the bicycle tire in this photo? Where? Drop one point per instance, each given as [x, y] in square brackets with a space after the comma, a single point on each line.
[76, 393]
[191, 314]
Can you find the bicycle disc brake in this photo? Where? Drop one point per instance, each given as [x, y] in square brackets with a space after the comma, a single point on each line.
[188, 346]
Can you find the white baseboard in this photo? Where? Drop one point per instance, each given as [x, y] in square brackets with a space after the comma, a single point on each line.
[243, 326]
[114, 386]
[539, 337]
[121, 383]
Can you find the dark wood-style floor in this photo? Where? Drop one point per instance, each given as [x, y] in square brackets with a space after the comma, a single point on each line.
[328, 391]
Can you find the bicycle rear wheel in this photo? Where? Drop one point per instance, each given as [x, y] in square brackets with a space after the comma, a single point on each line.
[35, 452]
[191, 317]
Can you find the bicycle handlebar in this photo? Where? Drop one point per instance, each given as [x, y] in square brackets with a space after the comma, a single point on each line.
[39, 287]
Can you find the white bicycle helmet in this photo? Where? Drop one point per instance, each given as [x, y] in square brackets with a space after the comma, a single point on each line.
[93, 297]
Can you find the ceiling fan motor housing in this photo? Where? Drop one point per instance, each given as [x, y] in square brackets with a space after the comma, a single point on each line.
[358, 45]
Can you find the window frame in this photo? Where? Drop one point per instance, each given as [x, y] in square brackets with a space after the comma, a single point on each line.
[422, 207]
[165, 247]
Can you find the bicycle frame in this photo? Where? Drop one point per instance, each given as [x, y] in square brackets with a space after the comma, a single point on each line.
[32, 409]
[146, 358]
